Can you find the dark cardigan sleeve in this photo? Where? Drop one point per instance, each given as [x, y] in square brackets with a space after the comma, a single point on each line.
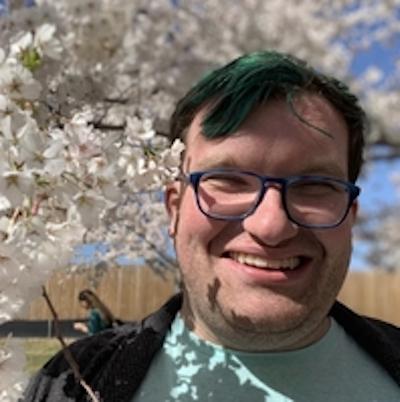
[56, 381]
[113, 362]
[379, 339]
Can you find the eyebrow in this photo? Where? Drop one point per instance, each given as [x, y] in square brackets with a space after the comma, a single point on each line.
[219, 162]
[228, 162]
[324, 169]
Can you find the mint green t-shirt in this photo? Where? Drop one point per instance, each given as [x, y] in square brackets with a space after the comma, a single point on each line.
[334, 369]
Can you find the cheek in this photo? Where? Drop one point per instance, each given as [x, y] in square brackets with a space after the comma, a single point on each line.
[195, 230]
[337, 242]
[333, 266]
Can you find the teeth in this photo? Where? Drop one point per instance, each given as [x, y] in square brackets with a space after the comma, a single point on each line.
[256, 261]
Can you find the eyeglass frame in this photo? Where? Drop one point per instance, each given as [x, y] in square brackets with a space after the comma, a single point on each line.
[193, 178]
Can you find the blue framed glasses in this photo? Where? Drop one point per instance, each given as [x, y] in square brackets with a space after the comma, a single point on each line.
[309, 201]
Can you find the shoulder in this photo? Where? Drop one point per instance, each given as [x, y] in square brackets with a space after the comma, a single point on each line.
[94, 312]
[380, 339]
[95, 315]
[113, 356]
[56, 379]
[101, 344]
[362, 325]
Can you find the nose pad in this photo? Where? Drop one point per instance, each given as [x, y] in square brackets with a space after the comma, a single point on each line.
[272, 200]
[269, 222]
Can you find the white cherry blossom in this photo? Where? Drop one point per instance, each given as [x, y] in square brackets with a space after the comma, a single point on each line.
[16, 186]
[12, 361]
[46, 43]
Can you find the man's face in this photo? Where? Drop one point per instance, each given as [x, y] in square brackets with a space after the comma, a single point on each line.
[227, 298]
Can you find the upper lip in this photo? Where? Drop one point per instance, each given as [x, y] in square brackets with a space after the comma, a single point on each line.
[262, 262]
[268, 255]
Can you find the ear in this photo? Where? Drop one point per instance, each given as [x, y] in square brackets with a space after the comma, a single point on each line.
[173, 194]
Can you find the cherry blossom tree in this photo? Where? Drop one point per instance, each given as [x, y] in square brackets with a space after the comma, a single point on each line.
[86, 90]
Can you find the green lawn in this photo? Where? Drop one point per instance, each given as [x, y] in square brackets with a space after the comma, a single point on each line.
[38, 351]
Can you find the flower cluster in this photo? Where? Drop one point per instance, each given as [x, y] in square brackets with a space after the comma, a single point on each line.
[12, 358]
[59, 174]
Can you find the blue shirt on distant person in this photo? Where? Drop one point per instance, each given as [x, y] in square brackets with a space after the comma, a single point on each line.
[96, 322]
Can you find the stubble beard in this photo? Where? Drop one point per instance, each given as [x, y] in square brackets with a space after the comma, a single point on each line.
[212, 318]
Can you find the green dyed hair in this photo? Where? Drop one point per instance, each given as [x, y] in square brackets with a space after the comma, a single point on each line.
[234, 90]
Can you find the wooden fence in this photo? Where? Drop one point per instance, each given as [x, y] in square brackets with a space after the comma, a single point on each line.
[133, 292]
[130, 292]
[375, 293]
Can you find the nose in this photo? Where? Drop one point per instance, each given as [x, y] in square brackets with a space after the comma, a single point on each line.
[269, 222]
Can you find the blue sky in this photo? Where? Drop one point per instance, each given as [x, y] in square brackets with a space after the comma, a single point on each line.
[377, 191]
[377, 187]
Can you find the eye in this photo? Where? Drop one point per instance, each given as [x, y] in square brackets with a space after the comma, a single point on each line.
[316, 188]
[228, 182]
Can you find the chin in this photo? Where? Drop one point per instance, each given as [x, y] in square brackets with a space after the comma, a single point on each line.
[273, 315]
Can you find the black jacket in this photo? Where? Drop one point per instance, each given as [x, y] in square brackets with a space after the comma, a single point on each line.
[114, 362]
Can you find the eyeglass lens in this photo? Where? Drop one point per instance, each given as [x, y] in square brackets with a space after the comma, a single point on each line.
[307, 201]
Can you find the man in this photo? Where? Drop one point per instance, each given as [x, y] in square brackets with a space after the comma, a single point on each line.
[261, 219]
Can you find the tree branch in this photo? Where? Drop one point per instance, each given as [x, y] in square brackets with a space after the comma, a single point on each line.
[65, 349]
[102, 126]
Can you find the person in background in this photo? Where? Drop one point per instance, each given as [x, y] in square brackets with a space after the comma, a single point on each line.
[261, 217]
[100, 316]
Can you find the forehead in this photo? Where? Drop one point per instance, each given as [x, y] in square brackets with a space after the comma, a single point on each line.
[310, 131]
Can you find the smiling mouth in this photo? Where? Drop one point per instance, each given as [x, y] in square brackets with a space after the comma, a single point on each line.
[287, 264]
